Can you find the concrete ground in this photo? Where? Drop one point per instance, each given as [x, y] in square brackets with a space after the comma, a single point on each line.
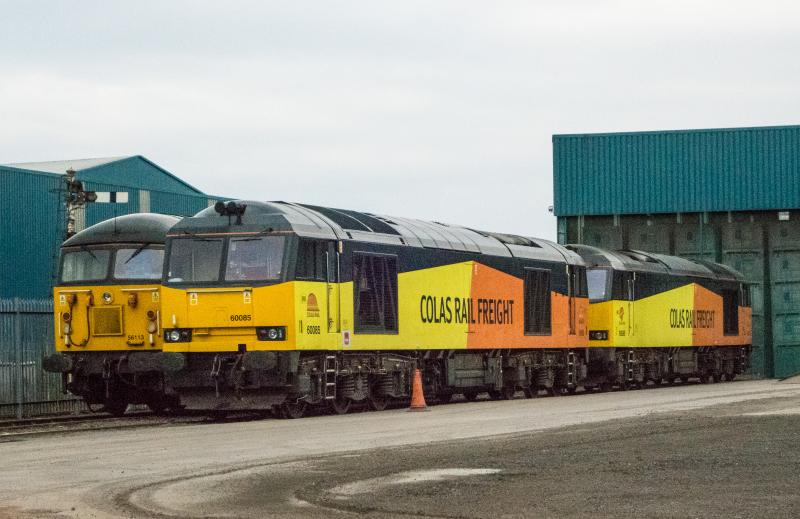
[721, 450]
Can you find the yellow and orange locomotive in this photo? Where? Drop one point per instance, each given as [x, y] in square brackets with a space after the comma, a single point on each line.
[288, 305]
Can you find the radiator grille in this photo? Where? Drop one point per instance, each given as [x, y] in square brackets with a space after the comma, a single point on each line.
[107, 320]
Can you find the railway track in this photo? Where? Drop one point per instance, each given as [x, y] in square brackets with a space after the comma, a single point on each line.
[101, 421]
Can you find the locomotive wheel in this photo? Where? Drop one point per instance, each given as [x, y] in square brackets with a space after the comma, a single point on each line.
[377, 402]
[158, 406]
[684, 379]
[340, 405]
[293, 410]
[444, 398]
[495, 394]
[530, 392]
[605, 387]
[116, 407]
[164, 405]
[571, 390]
[554, 391]
[730, 376]
[508, 392]
[471, 396]
[717, 377]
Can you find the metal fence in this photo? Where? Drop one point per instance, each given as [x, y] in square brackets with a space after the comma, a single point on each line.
[26, 337]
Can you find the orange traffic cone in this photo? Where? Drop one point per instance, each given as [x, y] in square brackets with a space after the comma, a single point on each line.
[417, 396]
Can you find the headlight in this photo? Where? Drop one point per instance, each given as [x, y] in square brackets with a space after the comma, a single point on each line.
[107, 298]
[598, 335]
[271, 333]
[176, 334]
[151, 327]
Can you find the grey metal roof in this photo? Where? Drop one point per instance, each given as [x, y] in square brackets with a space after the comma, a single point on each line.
[640, 261]
[60, 166]
[343, 224]
[421, 233]
[130, 228]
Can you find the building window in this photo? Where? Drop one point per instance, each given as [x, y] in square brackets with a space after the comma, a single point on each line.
[537, 302]
[375, 293]
[730, 312]
[311, 260]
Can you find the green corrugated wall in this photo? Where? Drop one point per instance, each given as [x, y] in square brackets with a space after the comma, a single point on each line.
[736, 169]
[32, 218]
[729, 195]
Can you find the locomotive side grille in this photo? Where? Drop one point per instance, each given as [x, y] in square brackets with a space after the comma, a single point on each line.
[107, 320]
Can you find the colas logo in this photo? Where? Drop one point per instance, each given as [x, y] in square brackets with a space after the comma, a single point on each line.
[621, 314]
[312, 307]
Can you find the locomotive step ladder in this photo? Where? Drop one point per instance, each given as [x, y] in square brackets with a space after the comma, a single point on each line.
[330, 368]
[630, 373]
[572, 378]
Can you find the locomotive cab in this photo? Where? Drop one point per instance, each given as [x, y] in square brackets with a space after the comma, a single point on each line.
[107, 307]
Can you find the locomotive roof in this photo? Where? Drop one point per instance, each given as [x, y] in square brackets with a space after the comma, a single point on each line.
[343, 224]
[130, 228]
[639, 261]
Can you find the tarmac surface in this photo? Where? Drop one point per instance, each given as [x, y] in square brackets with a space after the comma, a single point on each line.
[720, 450]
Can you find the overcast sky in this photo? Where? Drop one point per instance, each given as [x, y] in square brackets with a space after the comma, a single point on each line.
[428, 109]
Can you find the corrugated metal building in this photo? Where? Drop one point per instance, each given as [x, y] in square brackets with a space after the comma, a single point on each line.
[728, 195]
[33, 217]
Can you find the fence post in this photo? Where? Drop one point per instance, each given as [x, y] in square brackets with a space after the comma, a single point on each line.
[18, 354]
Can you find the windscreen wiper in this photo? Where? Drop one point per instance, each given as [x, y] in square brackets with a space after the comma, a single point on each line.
[87, 249]
[136, 253]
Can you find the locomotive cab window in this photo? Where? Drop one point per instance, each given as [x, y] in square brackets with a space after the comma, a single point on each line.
[139, 263]
[598, 281]
[311, 260]
[745, 291]
[85, 265]
[375, 293]
[730, 312]
[537, 302]
[255, 259]
[193, 260]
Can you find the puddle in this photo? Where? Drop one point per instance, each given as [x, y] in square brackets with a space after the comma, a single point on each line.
[779, 412]
[367, 486]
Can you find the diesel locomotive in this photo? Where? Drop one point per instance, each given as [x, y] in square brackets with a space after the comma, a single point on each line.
[107, 309]
[283, 306]
[654, 317]
[286, 305]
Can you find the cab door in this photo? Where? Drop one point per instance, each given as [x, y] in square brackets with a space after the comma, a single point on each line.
[332, 288]
[571, 287]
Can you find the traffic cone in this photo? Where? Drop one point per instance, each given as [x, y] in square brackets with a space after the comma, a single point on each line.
[417, 396]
